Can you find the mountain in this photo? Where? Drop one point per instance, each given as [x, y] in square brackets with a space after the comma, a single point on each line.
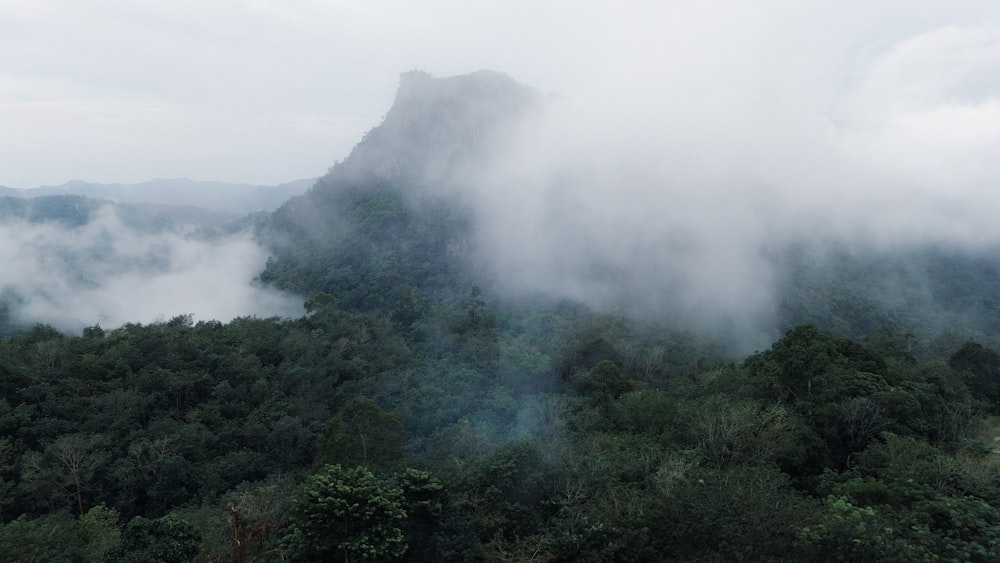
[437, 128]
[384, 222]
[239, 199]
[392, 224]
[68, 210]
[414, 414]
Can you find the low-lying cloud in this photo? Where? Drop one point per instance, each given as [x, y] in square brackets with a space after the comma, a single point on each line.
[668, 186]
[106, 273]
[688, 143]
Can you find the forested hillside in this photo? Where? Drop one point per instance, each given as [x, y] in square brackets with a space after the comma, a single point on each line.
[385, 227]
[939, 295]
[468, 433]
[420, 412]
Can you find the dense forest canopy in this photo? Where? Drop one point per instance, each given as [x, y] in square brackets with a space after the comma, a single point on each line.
[424, 410]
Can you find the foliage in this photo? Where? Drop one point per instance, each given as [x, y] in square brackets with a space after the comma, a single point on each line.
[143, 421]
[982, 366]
[362, 434]
[346, 514]
[47, 538]
[417, 413]
[168, 539]
[414, 414]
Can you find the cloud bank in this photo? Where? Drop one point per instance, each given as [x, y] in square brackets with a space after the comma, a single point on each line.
[712, 142]
[688, 140]
[106, 273]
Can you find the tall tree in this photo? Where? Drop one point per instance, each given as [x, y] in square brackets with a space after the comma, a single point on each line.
[348, 515]
[362, 434]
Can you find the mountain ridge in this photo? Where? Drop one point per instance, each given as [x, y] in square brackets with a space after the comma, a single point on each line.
[210, 195]
[435, 124]
[398, 195]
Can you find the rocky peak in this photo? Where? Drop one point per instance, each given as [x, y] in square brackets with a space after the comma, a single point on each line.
[437, 126]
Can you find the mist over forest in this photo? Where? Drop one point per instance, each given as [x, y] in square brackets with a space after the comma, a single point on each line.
[716, 315]
[563, 204]
[564, 200]
[75, 261]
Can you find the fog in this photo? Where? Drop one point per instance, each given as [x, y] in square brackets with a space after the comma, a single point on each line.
[668, 185]
[680, 146]
[106, 273]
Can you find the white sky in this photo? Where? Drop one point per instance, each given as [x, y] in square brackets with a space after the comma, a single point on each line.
[266, 91]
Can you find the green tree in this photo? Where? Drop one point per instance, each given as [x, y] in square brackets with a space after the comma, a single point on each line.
[833, 384]
[854, 535]
[363, 434]
[49, 538]
[98, 532]
[424, 501]
[981, 366]
[8, 470]
[346, 515]
[162, 540]
[605, 382]
[66, 468]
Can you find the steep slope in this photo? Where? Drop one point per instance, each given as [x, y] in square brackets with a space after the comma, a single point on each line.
[392, 224]
[939, 295]
[438, 128]
[379, 225]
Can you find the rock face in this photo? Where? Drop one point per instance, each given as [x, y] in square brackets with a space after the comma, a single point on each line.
[439, 127]
[392, 210]
[436, 133]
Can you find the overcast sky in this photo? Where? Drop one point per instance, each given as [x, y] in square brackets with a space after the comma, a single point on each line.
[265, 91]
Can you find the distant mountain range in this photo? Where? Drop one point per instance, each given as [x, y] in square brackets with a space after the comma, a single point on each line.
[238, 199]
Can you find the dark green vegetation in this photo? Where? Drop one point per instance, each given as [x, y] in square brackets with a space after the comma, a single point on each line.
[941, 295]
[467, 432]
[412, 416]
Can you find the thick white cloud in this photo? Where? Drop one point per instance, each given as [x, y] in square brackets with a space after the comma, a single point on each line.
[714, 134]
[106, 273]
[689, 136]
